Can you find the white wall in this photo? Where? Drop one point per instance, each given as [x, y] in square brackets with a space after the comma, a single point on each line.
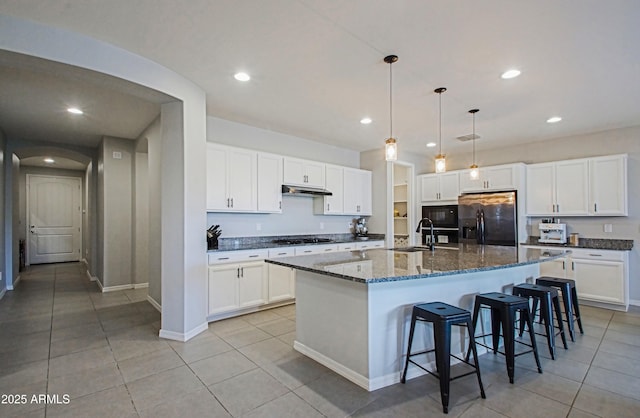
[245, 136]
[117, 228]
[297, 215]
[141, 218]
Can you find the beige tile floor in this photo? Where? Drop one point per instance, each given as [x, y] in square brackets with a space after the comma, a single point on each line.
[59, 335]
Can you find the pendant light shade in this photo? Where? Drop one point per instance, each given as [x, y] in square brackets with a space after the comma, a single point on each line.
[474, 172]
[390, 145]
[441, 163]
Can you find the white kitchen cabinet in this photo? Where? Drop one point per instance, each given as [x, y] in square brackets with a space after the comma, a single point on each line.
[439, 188]
[601, 276]
[234, 286]
[558, 188]
[334, 179]
[608, 186]
[357, 192]
[369, 245]
[494, 178]
[299, 172]
[231, 179]
[237, 280]
[269, 183]
[281, 278]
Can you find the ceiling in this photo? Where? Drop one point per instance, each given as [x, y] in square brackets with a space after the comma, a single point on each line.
[317, 68]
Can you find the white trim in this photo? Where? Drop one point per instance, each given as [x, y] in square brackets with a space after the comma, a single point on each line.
[153, 303]
[178, 336]
[13, 285]
[140, 285]
[2, 292]
[343, 371]
[116, 288]
[634, 302]
[90, 277]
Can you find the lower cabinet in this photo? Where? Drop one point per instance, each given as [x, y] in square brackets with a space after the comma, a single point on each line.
[234, 286]
[601, 276]
[281, 283]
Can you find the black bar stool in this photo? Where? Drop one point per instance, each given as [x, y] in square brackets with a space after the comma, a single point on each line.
[503, 312]
[443, 316]
[548, 298]
[569, 299]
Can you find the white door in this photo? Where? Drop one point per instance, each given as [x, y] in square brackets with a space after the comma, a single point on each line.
[54, 219]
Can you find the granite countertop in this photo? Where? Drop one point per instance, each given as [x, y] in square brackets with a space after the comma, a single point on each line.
[592, 243]
[253, 243]
[382, 265]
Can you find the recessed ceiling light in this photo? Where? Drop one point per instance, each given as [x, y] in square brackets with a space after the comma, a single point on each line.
[75, 111]
[365, 121]
[510, 74]
[431, 144]
[554, 119]
[49, 160]
[242, 76]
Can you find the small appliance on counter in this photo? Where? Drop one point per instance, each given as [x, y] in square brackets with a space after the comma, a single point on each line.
[212, 237]
[360, 229]
[553, 233]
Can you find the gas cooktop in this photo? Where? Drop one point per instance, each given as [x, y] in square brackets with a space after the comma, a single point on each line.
[296, 241]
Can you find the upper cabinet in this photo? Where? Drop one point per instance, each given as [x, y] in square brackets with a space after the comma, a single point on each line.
[501, 177]
[582, 187]
[269, 183]
[608, 186]
[357, 192]
[334, 177]
[439, 188]
[299, 172]
[231, 179]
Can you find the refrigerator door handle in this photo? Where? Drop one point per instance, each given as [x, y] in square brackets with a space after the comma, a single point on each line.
[481, 230]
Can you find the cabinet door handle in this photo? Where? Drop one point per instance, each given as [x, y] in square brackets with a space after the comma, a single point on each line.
[595, 207]
[307, 251]
[241, 271]
[254, 256]
[238, 272]
[328, 206]
[227, 202]
[573, 266]
[595, 255]
[232, 202]
[558, 208]
[223, 258]
[563, 265]
[280, 204]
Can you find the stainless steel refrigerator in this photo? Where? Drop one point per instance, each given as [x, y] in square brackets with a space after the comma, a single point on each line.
[488, 218]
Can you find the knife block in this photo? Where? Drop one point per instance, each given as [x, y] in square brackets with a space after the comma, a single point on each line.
[212, 243]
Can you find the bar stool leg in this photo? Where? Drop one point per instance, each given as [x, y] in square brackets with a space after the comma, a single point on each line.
[508, 332]
[495, 328]
[568, 311]
[474, 321]
[547, 315]
[576, 308]
[472, 348]
[533, 339]
[556, 306]
[442, 332]
[406, 362]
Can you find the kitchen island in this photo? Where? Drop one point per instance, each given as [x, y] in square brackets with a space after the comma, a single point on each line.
[353, 309]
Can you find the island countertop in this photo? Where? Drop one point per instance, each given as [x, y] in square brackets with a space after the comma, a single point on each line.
[388, 265]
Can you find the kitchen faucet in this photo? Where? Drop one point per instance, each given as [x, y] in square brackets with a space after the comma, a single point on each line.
[432, 245]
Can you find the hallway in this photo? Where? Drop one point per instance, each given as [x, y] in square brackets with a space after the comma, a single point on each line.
[59, 335]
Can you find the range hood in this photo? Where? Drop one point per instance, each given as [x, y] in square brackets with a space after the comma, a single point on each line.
[304, 191]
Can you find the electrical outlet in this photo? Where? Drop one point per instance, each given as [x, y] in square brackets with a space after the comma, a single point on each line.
[321, 225]
[258, 227]
[608, 228]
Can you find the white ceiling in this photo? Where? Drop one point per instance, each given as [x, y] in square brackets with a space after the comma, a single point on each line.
[317, 68]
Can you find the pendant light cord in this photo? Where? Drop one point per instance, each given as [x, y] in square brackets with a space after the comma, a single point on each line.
[474, 138]
[390, 101]
[440, 123]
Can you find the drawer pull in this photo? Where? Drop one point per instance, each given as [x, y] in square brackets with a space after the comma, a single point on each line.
[254, 256]
[223, 258]
[282, 253]
[595, 255]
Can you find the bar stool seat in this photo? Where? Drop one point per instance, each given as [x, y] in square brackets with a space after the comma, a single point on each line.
[569, 299]
[503, 313]
[548, 298]
[442, 316]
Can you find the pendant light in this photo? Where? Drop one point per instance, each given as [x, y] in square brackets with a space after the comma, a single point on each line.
[441, 163]
[474, 173]
[390, 145]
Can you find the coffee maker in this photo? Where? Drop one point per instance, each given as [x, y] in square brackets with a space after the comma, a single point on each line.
[360, 229]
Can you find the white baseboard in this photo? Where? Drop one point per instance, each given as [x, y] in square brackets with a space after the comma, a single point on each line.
[178, 336]
[153, 303]
[2, 292]
[140, 285]
[100, 285]
[13, 285]
[343, 371]
[634, 302]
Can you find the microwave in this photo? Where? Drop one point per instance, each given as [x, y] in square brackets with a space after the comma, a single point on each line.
[444, 216]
